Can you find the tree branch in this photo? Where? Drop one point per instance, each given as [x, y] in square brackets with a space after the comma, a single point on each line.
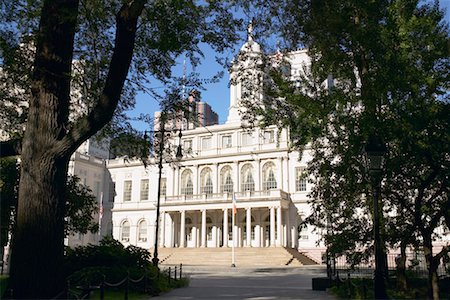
[102, 112]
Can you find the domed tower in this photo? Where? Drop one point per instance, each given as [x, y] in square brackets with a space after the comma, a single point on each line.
[245, 77]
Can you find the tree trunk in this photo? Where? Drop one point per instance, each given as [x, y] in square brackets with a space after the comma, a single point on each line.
[37, 250]
[402, 282]
[432, 265]
[37, 260]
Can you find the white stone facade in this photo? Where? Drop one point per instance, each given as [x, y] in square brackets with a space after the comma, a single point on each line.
[258, 167]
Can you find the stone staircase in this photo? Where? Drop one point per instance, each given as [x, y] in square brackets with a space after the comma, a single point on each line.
[244, 257]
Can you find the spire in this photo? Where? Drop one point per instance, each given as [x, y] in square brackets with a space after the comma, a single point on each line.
[250, 31]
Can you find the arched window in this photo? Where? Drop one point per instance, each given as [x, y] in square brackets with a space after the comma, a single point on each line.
[206, 184]
[142, 231]
[226, 181]
[187, 188]
[125, 231]
[269, 181]
[247, 182]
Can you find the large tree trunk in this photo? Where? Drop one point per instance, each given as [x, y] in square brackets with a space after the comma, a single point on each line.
[432, 265]
[38, 249]
[37, 260]
[402, 282]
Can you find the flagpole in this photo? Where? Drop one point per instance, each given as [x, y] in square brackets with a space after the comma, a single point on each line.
[233, 212]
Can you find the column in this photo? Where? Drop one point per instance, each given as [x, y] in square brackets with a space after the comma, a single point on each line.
[287, 241]
[176, 183]
[214, 236]
[236, 177]
[163, 229]
[286, 181]
[203, 230]
[195, 180]
[280, 173]
[216, 183]
[295, 232]
[183, 229]
[258, 175]
[225, 227]
[249, 227]
[258, 235]
[272, 227]
[279, 226]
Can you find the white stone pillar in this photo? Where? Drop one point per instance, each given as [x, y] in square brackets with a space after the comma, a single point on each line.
[214, 236]
[216, 183]
[295, 232]
[183, 229]
[258, 175]
[249, 227]
[218, 234]
[194, 235]
[279, 173]
[176, 184]
[225, 227]
[272, 227]
[287, 230]
[258, 235]
[163, 229]
[195, 181]
[279, 226]
[236, 184]
[203, 230]
[286, 181]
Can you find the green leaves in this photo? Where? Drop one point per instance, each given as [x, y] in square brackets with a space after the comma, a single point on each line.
[81, 208]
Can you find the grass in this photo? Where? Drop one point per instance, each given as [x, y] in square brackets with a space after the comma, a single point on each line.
[3, 284]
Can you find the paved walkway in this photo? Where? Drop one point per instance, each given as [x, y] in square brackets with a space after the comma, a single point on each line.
[254, 283]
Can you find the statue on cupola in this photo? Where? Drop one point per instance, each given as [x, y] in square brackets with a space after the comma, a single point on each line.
[245, 77]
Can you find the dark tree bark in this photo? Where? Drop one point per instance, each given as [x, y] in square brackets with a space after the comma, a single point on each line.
[37, 249]
[432, 265]
[402, 282]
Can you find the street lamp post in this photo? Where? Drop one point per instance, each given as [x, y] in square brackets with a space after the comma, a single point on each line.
[179, 155]
[374, 151]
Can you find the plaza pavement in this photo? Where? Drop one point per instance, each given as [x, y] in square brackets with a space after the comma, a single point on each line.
[250, 283]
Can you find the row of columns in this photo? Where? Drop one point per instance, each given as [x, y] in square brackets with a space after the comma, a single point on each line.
[278, 237]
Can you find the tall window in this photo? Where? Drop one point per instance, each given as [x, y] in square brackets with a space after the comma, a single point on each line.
[247, 182]
[142, 231]
[187, 188]
[187, 146]
[206, 186]
[144, 189]
[247, 139]
[112, 191]
[125, 232]
[269, 136]
[226, 141]
[163, 186]
[226, 181]
[269, 181]
[300, 179]
[206, 143]
[127, 185]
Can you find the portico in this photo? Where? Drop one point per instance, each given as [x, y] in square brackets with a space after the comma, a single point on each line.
[262, 220]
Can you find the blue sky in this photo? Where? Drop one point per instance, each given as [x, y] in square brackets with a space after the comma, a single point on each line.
[216, 94]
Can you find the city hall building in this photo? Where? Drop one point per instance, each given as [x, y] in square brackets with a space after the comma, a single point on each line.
[257, 168]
